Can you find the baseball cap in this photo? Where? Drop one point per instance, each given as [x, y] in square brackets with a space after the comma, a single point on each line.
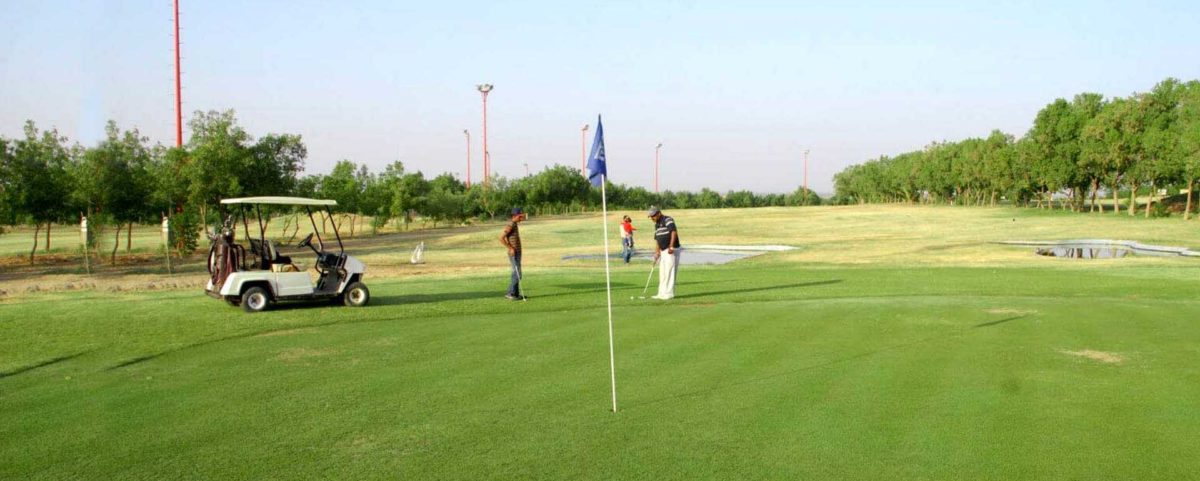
[652, 212]
[516, 211]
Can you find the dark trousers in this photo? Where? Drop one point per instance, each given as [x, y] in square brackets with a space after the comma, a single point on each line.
[514, 286]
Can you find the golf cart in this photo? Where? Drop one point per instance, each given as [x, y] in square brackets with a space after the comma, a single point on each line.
[262, 276]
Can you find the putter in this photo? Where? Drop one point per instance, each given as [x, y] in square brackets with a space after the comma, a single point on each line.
[648, 277]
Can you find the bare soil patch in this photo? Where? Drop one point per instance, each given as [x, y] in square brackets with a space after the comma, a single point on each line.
[296, 354]
[1100, 356]
[1011, 311]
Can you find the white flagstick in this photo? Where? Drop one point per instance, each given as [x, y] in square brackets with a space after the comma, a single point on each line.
[612, 360]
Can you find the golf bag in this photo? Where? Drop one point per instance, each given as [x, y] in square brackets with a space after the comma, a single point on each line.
[224, 256]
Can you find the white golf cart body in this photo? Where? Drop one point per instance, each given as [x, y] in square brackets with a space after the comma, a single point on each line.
[277, 275]
[286, 284]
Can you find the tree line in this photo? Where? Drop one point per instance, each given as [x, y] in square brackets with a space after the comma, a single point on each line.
[1076, 151]
[125, 180]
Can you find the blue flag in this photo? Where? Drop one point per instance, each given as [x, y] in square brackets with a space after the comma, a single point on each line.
[597, 166]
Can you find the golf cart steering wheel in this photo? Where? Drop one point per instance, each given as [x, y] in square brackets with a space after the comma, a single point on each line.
[307, 242]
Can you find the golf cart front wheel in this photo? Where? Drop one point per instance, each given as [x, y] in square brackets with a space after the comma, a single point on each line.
[255, 299]
[356, 295]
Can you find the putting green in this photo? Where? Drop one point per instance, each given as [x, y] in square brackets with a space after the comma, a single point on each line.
[760, 370]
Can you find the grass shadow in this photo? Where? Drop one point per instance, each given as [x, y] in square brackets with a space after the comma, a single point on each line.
[1001, 321]
[759, 289]
[42, 364]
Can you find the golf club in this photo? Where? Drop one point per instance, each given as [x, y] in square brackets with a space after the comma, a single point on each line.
[521, 286]
[648, 277]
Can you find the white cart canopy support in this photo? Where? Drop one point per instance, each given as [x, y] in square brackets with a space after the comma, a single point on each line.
[279, 201]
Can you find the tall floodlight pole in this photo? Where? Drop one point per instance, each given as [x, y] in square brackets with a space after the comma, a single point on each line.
[487, 159]
[527, 169]
[583, 150]
[806, 174]
[178, 88]
[656, 149]
[467, 133]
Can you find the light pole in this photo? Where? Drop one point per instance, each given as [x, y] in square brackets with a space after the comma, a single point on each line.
[487, 164]
[178, 88]
[806, 176]
[527, 169]
[583, 150]
[467, 133]
[656, 148]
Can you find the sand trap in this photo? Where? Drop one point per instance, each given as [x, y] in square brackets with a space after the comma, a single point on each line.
[1101, 356]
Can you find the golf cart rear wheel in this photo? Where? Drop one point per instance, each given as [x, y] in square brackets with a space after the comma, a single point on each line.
[356, 295]
[255, 299]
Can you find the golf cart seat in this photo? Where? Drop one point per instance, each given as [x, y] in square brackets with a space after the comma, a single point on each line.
[271, 260]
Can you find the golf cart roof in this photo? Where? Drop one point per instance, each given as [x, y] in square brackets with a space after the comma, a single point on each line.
[279, 201]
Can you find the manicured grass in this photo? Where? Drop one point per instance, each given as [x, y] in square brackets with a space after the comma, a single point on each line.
[898, 342]
[764, 369]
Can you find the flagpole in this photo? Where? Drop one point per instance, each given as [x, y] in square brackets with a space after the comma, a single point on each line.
[612, 360]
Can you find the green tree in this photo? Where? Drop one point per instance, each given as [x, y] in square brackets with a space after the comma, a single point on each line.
[1161, 164]
[38, 178]
[274, 166]
[1187, 130]
[114, 179]
[343, 184]
[220, 151]
[7, 212]
[408, 195]
[708, 199]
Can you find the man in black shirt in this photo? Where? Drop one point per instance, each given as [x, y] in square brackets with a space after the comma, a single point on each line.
[666, 241]
[511, 239]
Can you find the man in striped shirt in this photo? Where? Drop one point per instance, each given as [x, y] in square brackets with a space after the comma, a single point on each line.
[511, 239]
[666, 252]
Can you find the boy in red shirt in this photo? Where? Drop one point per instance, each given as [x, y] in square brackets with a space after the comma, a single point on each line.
[627, 238]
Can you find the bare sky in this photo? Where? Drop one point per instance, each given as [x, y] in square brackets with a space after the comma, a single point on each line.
[735, 90]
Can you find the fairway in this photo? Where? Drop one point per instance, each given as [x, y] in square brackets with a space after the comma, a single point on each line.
[896, 343]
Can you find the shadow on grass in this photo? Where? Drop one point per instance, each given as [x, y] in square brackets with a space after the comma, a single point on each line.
[818, 366]
[497, 294]
[759, 289]
[1001, 321]
[41, 364]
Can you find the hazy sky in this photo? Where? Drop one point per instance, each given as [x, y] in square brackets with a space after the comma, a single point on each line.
[735, 90]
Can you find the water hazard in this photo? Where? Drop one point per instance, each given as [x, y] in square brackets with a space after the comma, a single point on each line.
[1101, 249]
[1084, 252]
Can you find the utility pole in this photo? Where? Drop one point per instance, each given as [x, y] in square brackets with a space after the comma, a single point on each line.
[527, 169]
[656, 149]
[467, 133]
[178, 87]
[487, 158]
[583, 150]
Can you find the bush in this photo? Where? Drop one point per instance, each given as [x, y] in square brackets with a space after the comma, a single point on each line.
[185, 231]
